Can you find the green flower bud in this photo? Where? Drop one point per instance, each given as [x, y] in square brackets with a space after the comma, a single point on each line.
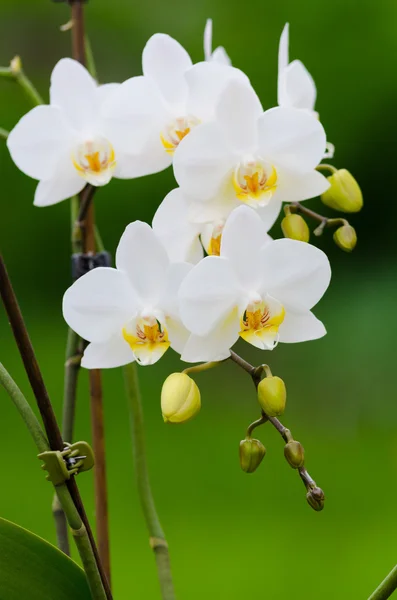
[344, 194]
[346, 238]
[251, 454]
[272, 396]
[316, 498]
[295, 454]
[180, 398]
[295, 228]
[16, 65]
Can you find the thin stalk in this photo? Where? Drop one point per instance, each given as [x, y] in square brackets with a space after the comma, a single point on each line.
[89, 57]
[4, 133]
[43, 401]
[65, 499]
[86, 214]
[387, 587]
[201, 368]
[28, 88]
[157, 538]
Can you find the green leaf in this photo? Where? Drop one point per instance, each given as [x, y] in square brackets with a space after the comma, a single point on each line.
[33, 569]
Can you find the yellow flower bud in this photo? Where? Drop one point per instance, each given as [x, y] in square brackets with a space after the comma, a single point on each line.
[295, 228]
[16, 65]
[344, 194]
[346, 238]
[180, 398]
[272, 396]
[295, 454]
[316, 498]
[251, 454]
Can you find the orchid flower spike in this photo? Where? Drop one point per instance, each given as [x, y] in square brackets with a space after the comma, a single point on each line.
[296, 87]
[129, 313]
[219, 54]
[250, 157]
[69, 142]
[258, 290]
[155, 112]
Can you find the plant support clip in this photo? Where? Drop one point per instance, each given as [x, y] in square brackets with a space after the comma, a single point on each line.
[74, 459]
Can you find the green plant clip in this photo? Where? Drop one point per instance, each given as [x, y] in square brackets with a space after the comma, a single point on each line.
[74, 459]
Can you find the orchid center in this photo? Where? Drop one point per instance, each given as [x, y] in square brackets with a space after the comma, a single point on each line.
[147, 337]
[254, 181]
[214, 244]
[175, 131]
[95, 161]
[260, 321]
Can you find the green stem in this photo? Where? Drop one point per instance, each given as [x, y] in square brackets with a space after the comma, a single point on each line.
[387, 587]
[78, 529]
[4, 133]
[89, 58]
[72, 368]
[157, 538]
[28, 88]
[203, 367]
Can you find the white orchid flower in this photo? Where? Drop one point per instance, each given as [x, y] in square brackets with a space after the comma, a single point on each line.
[219, 54]
[186, 239]
[69, 142]
[250, 157]
[260, 291]
[296, 87]
[154, 112]
[129, 313]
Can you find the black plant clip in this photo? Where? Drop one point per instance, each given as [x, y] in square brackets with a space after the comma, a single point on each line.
[83, 263]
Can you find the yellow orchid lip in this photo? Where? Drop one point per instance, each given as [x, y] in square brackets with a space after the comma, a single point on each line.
[260, 323]
[254, 183]
[176, 131]
[149, 340]
[95, 161]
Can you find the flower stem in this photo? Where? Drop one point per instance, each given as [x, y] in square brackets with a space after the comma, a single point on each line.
[387, 587]
[324, 221]
[203, 367]
[28, 88]
[64, 497]
[43, 401]
[158, 542]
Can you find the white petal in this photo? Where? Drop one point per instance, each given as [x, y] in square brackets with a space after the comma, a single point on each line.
[133, 115]
[207, 81]
[208, 39]
[165, 61]
[38, 140]
[238, 111]
[295, 273]
[75, 92]
[105, 90]
[176, 273]
[150, 159]
[216, 345]
[292, 138]
[295, 186]
[221, 57]
[242, 239]
[202, 160]
[177, 334]
[144, 259]
[64, 184]
[114, 352]
[301, 327]
[208, 293]
[98, 304]
[270, 213]
[298, 89]
[283, 60]
[173, 227]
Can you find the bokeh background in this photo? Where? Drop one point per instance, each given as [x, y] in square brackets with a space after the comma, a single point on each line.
[231, 535]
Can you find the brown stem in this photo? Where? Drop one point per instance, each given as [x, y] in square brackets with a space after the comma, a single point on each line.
[324, 221]
[98, 440]
[40, 392]
[86, 216]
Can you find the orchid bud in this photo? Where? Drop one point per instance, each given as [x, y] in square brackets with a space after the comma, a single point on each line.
[180, 398]
[316, 498]
[251, 454]
[295, 454]
[346, 238]
[272, 396]
[344, 194]
[16, 65]
[295, 228]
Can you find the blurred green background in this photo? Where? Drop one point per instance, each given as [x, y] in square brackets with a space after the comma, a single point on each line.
[231, 535]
